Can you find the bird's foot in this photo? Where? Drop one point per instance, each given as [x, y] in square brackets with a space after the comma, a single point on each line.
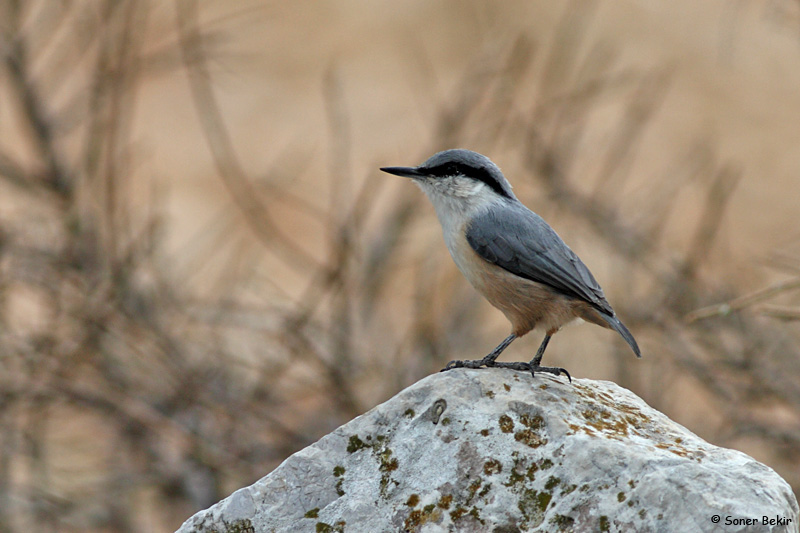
[487, 362]
[526, 367]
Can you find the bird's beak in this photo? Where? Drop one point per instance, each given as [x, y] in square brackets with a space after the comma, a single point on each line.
[406, 172]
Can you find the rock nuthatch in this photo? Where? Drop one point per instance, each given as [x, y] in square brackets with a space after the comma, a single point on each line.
[509, 254]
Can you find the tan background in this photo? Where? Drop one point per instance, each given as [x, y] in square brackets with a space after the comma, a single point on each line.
[163, 348]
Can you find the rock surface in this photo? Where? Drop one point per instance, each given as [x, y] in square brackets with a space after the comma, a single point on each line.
[499, 451]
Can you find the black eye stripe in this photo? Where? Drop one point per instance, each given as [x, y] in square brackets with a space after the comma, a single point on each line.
[480, 174]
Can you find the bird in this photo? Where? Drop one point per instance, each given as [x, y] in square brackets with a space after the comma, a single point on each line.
[510, 255]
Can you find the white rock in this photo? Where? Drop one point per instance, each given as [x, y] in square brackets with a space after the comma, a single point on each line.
[499, 451]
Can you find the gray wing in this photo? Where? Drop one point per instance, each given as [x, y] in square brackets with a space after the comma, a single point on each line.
[521, 242]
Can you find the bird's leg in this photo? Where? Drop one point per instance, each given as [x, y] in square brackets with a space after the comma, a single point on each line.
[494, 354]
[540, 352]
[535, 365]
[487, 361]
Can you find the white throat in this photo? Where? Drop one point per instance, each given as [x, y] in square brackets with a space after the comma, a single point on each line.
[457, 199]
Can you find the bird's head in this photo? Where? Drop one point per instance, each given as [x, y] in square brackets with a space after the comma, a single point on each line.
[458, 179]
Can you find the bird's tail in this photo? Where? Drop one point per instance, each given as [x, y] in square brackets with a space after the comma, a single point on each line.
[620, 328]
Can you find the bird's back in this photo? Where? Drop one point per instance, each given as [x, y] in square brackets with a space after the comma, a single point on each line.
[521, 242]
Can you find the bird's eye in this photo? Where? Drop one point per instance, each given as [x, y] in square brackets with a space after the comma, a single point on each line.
[446, 169]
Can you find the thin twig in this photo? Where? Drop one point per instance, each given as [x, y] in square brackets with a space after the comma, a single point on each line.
[744, 301]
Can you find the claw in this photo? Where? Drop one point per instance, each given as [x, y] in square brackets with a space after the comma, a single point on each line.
[555, 370]
[451, 365]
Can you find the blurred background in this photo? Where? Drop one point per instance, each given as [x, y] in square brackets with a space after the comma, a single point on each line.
[202, 270]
